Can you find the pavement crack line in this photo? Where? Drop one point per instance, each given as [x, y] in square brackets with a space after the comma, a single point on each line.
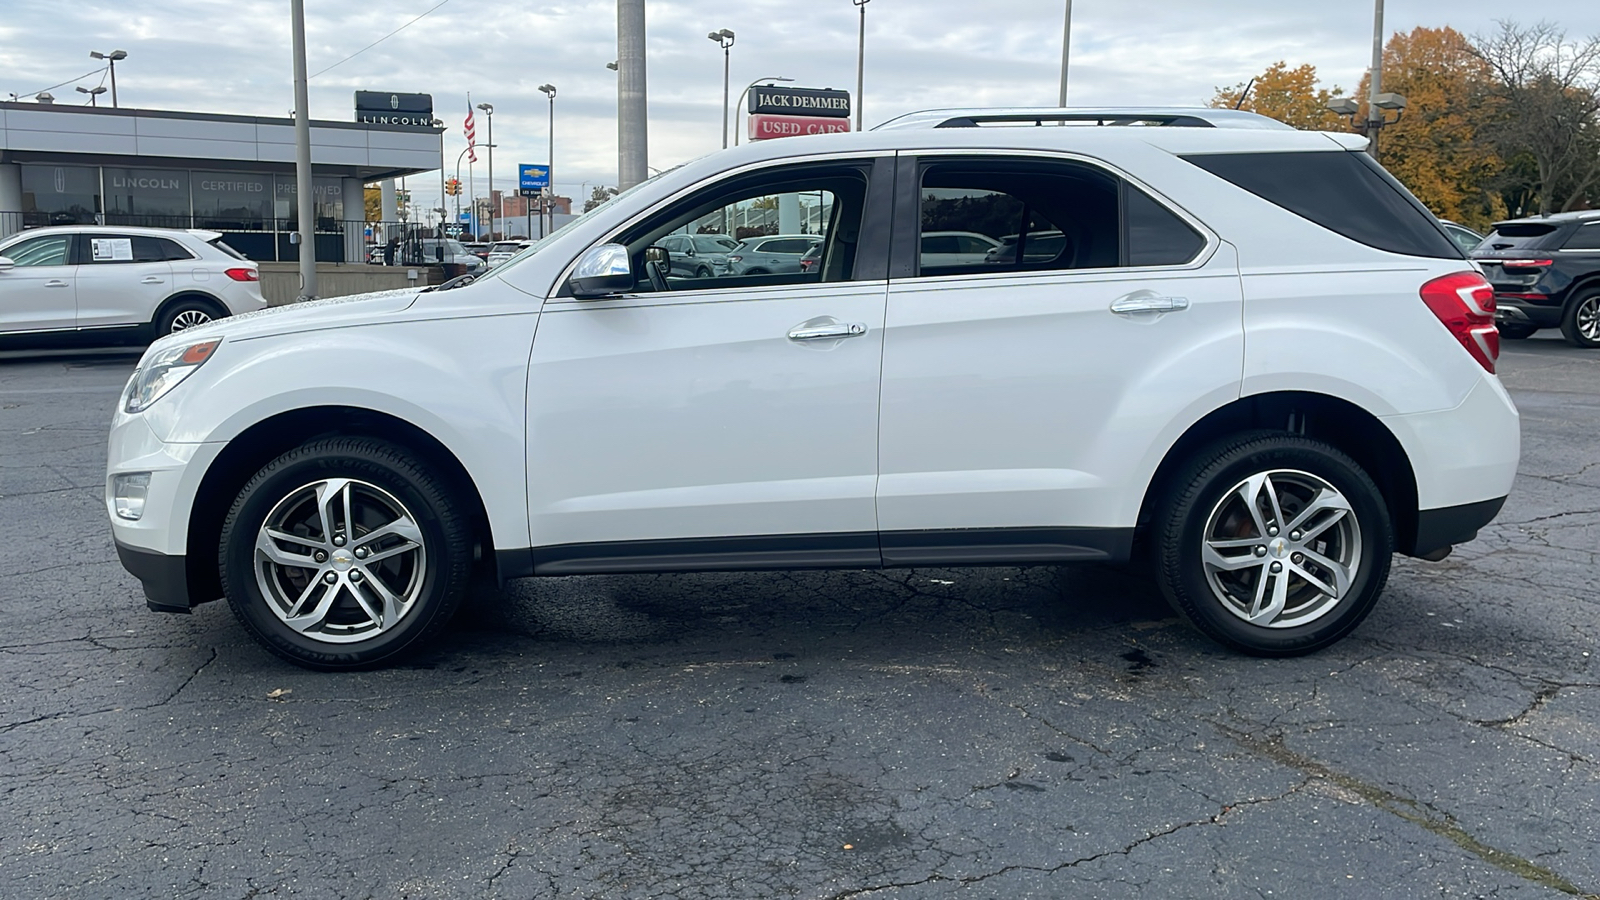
[1441, 824]
[1545, 695]
[192, 676]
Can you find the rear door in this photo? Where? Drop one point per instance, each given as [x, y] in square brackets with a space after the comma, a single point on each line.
[1025, 403]
[38, 293]
[123, 278]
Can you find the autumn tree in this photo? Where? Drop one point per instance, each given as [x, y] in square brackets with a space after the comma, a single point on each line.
[1548, 122]
[1289, 95]
[1438, 148]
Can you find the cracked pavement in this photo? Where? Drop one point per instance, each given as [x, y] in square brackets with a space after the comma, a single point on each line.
[1001, 732]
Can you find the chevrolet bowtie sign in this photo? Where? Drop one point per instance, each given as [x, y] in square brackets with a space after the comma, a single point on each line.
[821, 103]
[387, 108]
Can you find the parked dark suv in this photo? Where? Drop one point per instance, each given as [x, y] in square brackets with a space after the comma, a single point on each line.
[1546, 274]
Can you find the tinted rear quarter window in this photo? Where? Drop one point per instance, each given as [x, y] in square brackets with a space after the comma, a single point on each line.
[1341, 190]
[1156, 236]
[1585, 238]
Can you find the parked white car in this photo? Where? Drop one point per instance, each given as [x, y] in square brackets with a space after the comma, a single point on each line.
[1245, 349]
[502, 251]
[101, 283]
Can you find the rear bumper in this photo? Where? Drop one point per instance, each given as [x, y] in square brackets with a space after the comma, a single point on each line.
[165, 578]
[1450, 525]
[1514, 311]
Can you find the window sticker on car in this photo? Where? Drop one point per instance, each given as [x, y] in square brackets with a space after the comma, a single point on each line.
[112, 249]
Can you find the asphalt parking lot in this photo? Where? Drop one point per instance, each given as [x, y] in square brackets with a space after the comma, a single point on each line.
[1048, 732]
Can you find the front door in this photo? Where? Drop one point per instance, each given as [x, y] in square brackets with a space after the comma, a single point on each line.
[1028, 394]
[717, 422]
[38, 292]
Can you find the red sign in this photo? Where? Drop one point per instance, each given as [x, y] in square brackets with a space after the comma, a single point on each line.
[764, 126]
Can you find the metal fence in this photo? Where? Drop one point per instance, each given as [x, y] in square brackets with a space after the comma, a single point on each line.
[267, 240]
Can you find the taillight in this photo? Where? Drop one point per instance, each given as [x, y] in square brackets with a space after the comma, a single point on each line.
[734, 259]
[807, 264]
[1464, 302]
[243, 274]
[1524, 263]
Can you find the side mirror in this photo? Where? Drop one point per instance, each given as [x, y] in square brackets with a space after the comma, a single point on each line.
[657, 255]
[6, 263]
[603, 271]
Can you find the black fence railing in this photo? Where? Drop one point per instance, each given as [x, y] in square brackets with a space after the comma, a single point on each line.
[264, 239]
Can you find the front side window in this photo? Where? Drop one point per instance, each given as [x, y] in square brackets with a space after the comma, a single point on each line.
[50, 250]
[777, 216]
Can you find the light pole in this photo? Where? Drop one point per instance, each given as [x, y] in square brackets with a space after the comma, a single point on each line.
[724, 39]
[740, 105]
[1066, 47]
[488, 110]
[549, 90]
[861, 57]
[304, 200]
[111, 61]
[633, 115]
[93, 93]
[472, 203]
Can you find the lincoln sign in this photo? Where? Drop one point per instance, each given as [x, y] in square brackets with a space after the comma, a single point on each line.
[785, 112]
[384, 108]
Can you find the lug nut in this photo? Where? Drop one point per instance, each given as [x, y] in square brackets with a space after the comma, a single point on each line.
[338, 540]
[1272, 531]
[320, 556]
[330, 578]
[1297, 558]
[361, 553]
[355, 575]
[1277, 567]
[1261, 551]
[1294, 535]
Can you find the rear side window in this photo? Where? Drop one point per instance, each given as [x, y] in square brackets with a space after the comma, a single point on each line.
[1585, 238]
[218, 243]
[1343, 191]
[154, 249]
[1156, 236]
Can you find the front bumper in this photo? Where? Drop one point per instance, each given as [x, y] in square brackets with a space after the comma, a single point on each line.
[165, 578]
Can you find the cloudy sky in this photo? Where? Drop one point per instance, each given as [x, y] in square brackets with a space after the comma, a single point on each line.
[234, 57]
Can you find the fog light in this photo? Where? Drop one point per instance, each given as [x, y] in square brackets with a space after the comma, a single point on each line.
[127, 494]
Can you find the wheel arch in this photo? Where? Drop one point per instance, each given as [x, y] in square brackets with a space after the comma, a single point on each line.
[219, 308]
[262, 442]
[1354, 431]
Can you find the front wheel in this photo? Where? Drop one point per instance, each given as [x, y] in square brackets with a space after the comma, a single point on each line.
[1580, 321]
[344, 553]
[1273, 544]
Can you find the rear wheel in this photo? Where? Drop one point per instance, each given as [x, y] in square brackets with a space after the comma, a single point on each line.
[186, 314]
[702, 272]
[1580, 321]
[344, 553]
[1273, 544]
[1516, 332]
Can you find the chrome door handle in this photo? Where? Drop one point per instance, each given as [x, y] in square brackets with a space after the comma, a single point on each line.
[151, 279]
[826, 328]
[1143, 302]
[55, 282]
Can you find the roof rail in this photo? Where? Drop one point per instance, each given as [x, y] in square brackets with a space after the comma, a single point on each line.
[1180, 117]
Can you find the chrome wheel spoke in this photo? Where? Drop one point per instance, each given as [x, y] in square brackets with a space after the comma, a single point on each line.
[393, 606]
[402, 527]
[1248, 492]
[1272, 495]
[311, 621]
[328, 492]
[373, 614]
[267, 547]
[1230, 563]
[1263, 615]
[1326, 499]
[1340, 573]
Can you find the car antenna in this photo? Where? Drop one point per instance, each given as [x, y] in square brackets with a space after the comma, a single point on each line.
[1245, 93]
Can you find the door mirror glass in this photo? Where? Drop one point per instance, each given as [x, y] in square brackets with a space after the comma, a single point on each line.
[603, 271]
[657, 255]
[5, 263]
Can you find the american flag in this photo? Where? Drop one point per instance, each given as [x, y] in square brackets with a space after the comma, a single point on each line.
[472, 134]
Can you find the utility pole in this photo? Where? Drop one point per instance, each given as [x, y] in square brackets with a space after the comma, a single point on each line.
[861, 58]
[724, 39]
[302, 157]
[1066, 50]
[488, 111]
[1375, 83]
[549, 90]
[632, 95]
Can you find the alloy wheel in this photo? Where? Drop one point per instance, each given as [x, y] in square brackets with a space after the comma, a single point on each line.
[190, 318]
[1588, 317]
[1282, 548]
[340, 560]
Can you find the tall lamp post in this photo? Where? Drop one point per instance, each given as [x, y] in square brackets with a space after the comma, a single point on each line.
[1066, 48]
[488, 110]
[111, 60]
[861, 58]
[724, 39]
[740, 105]
[549, 90]
[93, 93]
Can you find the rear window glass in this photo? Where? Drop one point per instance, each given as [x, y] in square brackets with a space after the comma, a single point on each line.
[1343, 191]
[220, 245]
[1585, 238]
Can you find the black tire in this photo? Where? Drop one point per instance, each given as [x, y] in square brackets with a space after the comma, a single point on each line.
[702, 272]
[1205, 503]
[1580, 319]
[186, 314]
[1517, 331]
[756, 272]
[433, 574]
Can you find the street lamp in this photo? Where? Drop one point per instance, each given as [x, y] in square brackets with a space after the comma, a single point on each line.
[93, 93]
[111, 60]
[1376, 121]
[44, 97]
[861, 57]
[488, 110]
[724, 39]
[473, 204]
[549, 90]
[740, 105]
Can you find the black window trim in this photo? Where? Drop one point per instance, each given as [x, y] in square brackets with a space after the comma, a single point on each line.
[871, 251]
[908, 216]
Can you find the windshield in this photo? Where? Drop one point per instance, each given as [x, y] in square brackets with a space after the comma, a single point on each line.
[713, 244]
[1516, 236]
[584, 217]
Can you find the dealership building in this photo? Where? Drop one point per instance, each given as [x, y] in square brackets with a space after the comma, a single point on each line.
[63, 165]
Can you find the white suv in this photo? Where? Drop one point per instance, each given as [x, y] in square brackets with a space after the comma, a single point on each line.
[102, 282]
[1239, 355]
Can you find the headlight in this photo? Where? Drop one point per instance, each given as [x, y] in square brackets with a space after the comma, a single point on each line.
[163, 371]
